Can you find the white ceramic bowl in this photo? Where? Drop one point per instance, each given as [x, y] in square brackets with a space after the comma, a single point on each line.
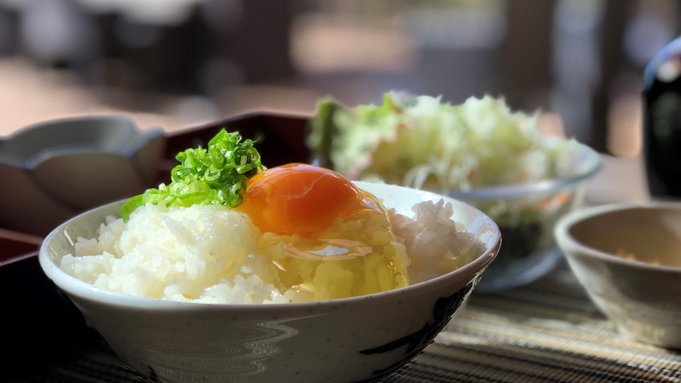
[347, 340]
[643, 299]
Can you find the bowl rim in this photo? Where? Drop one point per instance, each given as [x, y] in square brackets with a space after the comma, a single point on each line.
[127, 121]
[74, 286]
[132, 131]
[569, 244]
[541, 187]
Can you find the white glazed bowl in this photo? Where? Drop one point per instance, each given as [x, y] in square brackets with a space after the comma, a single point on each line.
[643, 299]
[347, 340]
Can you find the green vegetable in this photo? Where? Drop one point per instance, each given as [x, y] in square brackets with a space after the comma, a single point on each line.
[213, 176]
[422, 142]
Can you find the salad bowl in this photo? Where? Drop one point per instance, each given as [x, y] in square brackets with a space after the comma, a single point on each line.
[359, 339]
[480, 152]
[526, 215]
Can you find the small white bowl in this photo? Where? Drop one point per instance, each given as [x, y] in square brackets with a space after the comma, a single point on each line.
[642, 298]
[347, 340]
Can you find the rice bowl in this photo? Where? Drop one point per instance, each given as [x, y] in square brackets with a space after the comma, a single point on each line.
[335, 340]
[214, 254]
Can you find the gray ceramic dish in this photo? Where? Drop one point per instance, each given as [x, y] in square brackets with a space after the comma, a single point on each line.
[56, 169]
[641, 295]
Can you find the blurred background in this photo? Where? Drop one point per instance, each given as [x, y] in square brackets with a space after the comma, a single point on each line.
[182, 63]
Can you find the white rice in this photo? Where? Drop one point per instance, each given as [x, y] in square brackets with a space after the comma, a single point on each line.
[210, 254]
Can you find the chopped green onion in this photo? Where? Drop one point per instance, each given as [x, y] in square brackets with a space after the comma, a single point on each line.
[213, 176]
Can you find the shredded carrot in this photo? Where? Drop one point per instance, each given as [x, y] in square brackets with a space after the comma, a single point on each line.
[557, 200]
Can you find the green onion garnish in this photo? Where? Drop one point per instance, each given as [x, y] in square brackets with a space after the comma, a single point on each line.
[213, 176]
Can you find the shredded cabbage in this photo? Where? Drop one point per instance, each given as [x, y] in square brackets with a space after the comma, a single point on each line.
[422, 142]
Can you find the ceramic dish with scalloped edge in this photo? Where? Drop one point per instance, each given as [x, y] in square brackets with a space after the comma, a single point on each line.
[55, 169]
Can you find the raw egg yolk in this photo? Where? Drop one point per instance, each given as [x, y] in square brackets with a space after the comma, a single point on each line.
[299, 199]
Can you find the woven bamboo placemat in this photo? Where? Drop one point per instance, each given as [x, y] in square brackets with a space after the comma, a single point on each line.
[548, 331]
